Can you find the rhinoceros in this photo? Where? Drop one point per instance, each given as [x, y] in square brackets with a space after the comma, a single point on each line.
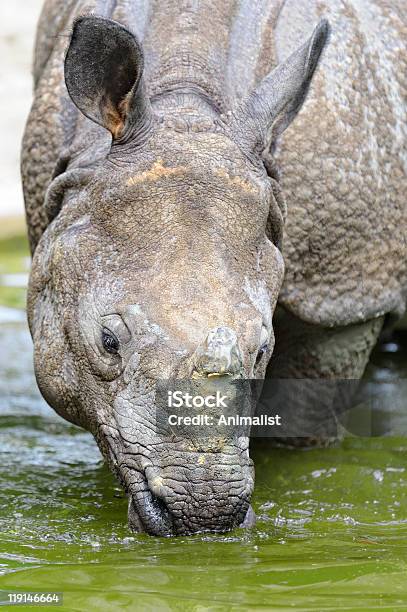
[169, 218]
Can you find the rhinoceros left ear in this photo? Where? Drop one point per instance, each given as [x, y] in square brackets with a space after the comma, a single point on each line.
[271, 107]
[103, 74]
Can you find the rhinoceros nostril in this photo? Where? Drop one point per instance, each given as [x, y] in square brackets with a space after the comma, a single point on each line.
[160, 509]
[148, 511]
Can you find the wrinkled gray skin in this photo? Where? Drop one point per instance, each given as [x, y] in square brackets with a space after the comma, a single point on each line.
[155, 215]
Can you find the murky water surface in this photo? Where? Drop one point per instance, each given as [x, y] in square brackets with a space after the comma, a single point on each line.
[331, 531]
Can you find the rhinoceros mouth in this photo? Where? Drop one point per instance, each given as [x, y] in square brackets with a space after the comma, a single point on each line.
[155, 519]
[149, 514]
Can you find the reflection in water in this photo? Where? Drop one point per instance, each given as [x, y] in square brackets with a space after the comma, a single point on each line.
[331, 530]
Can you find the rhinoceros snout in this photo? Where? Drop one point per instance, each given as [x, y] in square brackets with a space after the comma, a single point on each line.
[168, 504]
[219, 354]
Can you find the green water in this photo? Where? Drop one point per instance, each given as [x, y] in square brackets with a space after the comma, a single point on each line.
[331, 531]
[14, 258]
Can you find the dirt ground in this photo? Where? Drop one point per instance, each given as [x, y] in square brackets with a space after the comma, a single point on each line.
[18, 19]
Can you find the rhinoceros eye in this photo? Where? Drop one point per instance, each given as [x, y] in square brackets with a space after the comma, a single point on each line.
[262, 350]
[109, 341]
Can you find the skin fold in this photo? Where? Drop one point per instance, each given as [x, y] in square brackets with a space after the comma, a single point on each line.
[161, 238]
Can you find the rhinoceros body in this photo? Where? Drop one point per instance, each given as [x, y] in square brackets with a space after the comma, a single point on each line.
[163, 205]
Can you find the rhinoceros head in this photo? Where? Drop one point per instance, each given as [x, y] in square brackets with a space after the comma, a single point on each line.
[163, 263]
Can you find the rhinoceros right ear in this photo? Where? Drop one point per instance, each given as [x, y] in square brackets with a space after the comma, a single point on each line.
[103, 74]
[271, 107]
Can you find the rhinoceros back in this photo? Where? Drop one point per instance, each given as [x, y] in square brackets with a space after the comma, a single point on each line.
[343, 163]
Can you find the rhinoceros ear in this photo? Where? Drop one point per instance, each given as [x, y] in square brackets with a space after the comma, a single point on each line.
[271, 107]
[103, 74]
